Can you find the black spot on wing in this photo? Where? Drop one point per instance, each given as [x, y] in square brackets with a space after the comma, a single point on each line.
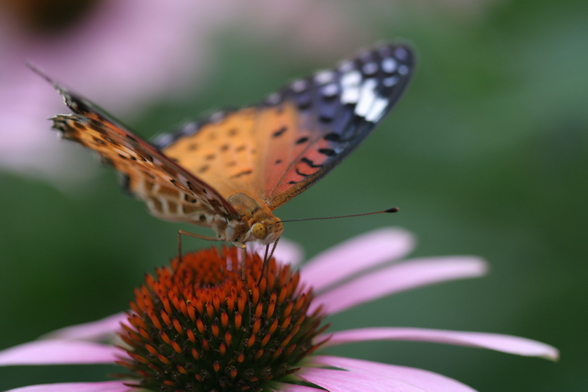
[310, 163]
[327, 151]
[303, 174]
[189, 198]
[79, 126]
[332, 137]
[243, 173]
[279, 132]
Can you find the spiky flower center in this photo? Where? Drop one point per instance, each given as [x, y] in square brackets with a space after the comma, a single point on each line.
[42, 17]
[199, 326]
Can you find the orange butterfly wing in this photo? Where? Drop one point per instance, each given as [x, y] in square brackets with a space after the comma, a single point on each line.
[229, 171]
[169, 190]
[276, 150]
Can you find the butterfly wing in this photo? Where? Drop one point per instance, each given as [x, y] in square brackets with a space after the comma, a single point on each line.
[276, 150]
[336, 109]
[220, 149]
[170, 191]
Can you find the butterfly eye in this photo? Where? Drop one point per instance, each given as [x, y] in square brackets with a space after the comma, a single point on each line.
[259, 231]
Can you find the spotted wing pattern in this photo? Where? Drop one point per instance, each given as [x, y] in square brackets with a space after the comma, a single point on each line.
[169, 190]
[230, 170]
[277, 149]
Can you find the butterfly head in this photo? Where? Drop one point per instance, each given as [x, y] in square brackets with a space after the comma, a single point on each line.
[265, 229]
[257, 219]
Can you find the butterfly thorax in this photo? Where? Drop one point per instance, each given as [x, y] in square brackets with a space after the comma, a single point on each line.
[257, 223]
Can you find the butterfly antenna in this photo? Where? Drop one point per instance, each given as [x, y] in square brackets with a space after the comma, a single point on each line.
[389, 210]
[266, 259]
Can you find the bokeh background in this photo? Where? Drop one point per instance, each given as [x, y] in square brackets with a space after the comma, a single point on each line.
[486, 154]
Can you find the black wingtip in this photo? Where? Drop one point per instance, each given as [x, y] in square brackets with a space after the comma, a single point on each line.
[393, 209]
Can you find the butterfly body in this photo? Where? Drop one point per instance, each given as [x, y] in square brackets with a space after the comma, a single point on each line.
[230, 171]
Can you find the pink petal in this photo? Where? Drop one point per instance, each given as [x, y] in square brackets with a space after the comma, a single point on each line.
[287, 252]
[93, 331]
[58, 352]
[355, 255]
[504, 343]
[408, 275]
[344, 381]
[282, 387]
[108, 386]
[429, 381]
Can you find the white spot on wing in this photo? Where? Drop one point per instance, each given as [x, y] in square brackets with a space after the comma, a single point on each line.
[299, 85]
[164, 139]
[324, 77]
[190, 128]
[367, 96]
[273, 99]
[377, 110]
[401, 53]
[389, 65]
[391, 81]
[217, 117]
[403, 70]
[330, 90]
[350, 87]
[370, 68]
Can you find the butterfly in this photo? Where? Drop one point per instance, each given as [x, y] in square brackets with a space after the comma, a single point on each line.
[230, 170]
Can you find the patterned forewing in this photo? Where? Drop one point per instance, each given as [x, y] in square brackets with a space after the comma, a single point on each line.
[332, 112]
[220, 150]
[170, 191]
[279, 148]
[231, 150]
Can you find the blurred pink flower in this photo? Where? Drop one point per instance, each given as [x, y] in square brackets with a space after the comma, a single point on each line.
[341, 280]
[125, 54]
[120, 52]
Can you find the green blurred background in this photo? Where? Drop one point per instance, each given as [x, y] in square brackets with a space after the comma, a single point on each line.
[486, 154]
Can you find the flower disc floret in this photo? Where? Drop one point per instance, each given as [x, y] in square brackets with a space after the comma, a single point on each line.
[199, 326]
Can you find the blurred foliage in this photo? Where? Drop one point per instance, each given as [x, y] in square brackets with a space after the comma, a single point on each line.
[486, 154]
